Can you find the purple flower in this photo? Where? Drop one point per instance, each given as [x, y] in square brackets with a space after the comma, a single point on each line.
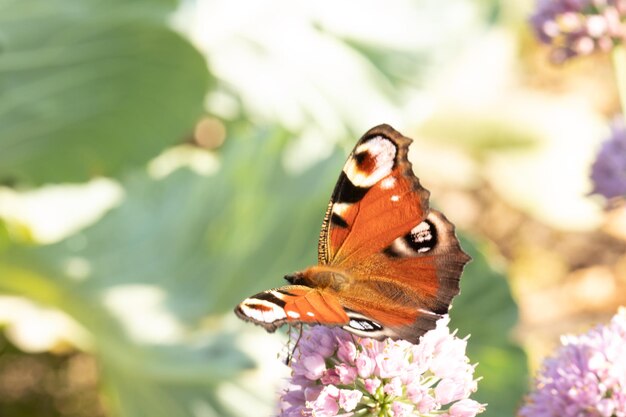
[579, 27]
[608, 172]
[586, 377]
[338, 374]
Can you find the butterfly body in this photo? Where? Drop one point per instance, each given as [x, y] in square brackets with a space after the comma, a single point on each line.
[388, 265]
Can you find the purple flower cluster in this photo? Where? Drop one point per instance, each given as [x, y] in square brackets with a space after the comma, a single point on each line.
[338, 374]
[608, 172]
[579, 27]
[587, 377]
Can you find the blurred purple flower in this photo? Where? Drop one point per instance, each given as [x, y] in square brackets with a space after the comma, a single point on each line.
[608, 172]
[587, 377]
[579, 27]
[338, 374]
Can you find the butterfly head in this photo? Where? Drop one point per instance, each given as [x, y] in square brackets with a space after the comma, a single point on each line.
[296, 278]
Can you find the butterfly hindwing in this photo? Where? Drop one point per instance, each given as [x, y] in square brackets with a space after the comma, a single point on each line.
[408, 286]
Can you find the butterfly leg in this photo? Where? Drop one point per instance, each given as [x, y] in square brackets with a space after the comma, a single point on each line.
[292, 351]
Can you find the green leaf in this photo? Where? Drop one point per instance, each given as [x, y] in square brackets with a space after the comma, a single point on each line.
[187, 248]
[91, 88]
[486, 310]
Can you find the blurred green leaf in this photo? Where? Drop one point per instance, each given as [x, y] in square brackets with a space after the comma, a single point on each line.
[92, 88]
[486, 310]
[201, 244]
[479, 133]
[4, 236]
[399, 68]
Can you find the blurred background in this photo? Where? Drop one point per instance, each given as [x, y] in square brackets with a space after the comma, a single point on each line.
[161, 160]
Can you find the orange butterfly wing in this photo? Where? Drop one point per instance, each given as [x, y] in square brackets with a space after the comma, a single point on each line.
[388, 265]
[292, 303]
[404, 258]
[405, 288]
[376, 199]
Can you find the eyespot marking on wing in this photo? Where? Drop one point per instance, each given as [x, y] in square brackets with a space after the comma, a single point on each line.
[421, 239]
[371, 161]
[362, 323]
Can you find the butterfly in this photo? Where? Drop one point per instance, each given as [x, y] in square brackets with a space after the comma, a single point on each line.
[388, 265]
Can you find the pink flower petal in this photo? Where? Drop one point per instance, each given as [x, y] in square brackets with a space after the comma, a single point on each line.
[347, 374]
[393, 387]
[365, 366]
[449, 390]
[401, 409]
[349, 399]
[325, 405]
[346, 352]
[372, 384]
[466, 408]
[314, 366]
[331, 376]
[391, 362]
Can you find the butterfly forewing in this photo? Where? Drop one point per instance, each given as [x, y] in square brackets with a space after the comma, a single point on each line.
[376, 199]
[293, 303]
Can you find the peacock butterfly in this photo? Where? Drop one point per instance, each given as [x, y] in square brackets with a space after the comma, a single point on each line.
[388, 265]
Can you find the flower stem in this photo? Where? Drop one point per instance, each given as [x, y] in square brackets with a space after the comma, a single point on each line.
[619, 65]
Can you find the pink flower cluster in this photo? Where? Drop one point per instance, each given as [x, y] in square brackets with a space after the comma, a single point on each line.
[587, 377]
[338, 374]
[579, 27]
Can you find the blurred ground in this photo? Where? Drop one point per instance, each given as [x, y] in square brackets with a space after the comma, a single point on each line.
[48, 384]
